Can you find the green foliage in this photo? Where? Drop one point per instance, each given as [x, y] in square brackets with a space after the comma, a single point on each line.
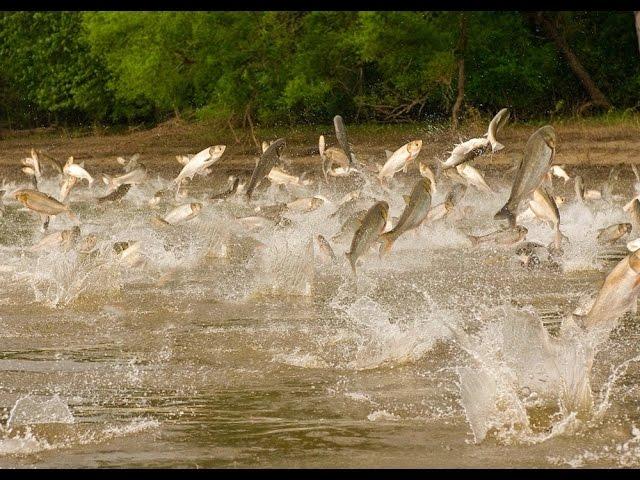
[281, 68]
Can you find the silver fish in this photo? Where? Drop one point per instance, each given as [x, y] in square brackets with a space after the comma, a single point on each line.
[618, 294]
[325, 248]
[368, 232]
[341, 135]
[495, 126]
[117, 194]
[415, 212]
[613, 233]
[538, 155]
[507, 236]
[267, 161]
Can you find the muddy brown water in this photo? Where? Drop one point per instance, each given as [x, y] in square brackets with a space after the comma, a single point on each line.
[229, 347]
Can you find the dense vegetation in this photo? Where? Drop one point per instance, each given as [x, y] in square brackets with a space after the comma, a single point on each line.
[284, 67]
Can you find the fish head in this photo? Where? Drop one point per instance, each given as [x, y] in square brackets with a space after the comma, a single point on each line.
[29, 171]
[21, 196]
[196, 207]
[217, 150]
[624, 228]
[560, 199]
[522, 230]
[548, 134]
[414, 148]
[316, 202]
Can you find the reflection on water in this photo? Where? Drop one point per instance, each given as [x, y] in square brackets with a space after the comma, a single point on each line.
[219, 342]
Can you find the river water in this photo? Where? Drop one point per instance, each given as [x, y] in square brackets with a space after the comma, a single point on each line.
[221, 345]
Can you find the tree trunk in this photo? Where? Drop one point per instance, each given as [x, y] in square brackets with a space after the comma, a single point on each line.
[459, 53]
[597, 97]
[637, 15]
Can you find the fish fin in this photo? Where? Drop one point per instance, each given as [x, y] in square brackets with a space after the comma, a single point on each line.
[406, 198]
[388, 153]
[404, 169]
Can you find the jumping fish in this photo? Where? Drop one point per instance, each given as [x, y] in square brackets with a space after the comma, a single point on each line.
[634, 213]
[415, 212]
[350, 225]
[367, 234]
[305, 205]
[42, 203]
[199, 162]
[399, 160]
[326, 252]
[495, 126]
[613, 233]
[507, 236]
[132, 177]
[117, 194]
[618, 294]
[465, 152]
[341, 135]
[267, 161]
[75, 170]
[331, 156]
[538, 155]
[474, 177]
[545, 208]
[181, 213]
[67, 185]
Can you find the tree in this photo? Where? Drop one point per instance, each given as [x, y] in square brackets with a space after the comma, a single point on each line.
[554, 34]
[459, 53]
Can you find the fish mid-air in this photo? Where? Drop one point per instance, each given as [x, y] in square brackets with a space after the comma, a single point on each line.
[180, 214]
[618, 294]
[74, 170]
[367, 234]
[399, 160]
[266, 162]
[341, 135]
[496, 124]
[43, 204]
[200, 162]
[545, 208]
[613, 233]
[331, 156]
[132, 177]
[508, 236]
[415, 212]
[538, 155]
[465, 152]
